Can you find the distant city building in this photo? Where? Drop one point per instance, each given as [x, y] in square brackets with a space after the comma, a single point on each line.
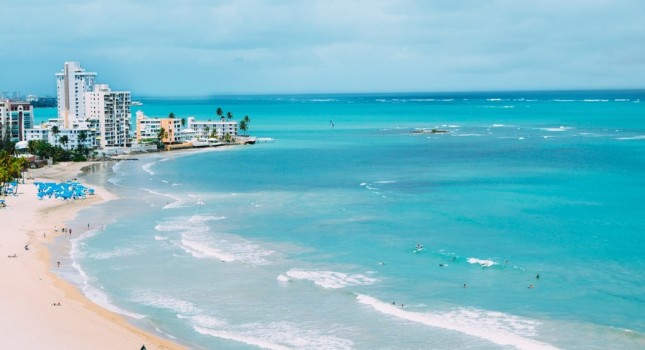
[109, 112]
[148, 129]
[15, 118]
[71, 85]
[208, 129]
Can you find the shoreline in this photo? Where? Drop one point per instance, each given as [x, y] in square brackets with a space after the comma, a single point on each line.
[32, 317]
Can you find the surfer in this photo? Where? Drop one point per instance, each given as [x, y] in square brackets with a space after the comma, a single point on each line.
[441, 265]
[537, 276]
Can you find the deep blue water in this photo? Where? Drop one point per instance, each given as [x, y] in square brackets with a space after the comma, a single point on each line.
[305, 242]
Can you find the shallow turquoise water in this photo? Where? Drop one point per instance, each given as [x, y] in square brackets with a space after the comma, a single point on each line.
[306, 242]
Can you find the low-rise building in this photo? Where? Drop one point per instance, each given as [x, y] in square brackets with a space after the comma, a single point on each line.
[148, 129]
[212, 129]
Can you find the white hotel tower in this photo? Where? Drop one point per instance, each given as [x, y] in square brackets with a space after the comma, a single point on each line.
[109, 112]
[71, 85]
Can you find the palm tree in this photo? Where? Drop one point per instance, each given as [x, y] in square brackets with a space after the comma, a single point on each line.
[229, 115]
[162, 134]
[246, 121]
[64, 140]
[55, 132]
[82, 136]
[171, 115]
[183, 122]
[243, 125]
[206, 130]
[220, 112]
[214, 133]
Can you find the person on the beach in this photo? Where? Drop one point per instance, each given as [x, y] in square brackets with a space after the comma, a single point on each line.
[58, 263]
[143, 347]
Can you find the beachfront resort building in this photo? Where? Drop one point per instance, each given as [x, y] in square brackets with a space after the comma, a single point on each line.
[79, 134]
[212, 129]
[71, 85]
[15, 118]
[108, 112]
[148, 129]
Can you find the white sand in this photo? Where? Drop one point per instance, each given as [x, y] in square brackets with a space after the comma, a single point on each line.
[27, 318]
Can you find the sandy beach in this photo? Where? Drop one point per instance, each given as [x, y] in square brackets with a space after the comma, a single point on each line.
[31, 317]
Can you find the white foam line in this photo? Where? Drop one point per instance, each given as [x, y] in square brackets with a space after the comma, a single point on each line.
[146, 167]
[495, 336]
[640, 137]
[239, 338]
[92, 293]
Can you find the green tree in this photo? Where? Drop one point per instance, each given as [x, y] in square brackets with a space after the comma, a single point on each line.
[243, 126]
[82, 136]
[246, 121]
[206, 130]
[171, 115]
[55, 131]
[162, 134]
[183, 122]
[64, 140]
[220, 112]
[229, 115]
[10, 169]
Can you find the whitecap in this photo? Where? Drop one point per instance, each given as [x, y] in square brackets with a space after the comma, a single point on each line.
[146, 167]
[276, 335]
[483, 263]
[639, 137]
[558, 129]
[226, 248]
[115, 253]
[160, 301]
[496, 327]
[331, 279]
[282, 278]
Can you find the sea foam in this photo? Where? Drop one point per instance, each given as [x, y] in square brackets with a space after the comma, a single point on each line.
[496, 327]
[331, 279]
[483, 263]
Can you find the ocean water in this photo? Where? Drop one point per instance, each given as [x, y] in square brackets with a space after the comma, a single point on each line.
[312, 241]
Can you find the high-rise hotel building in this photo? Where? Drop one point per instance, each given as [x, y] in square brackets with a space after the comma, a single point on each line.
[109, 112]
[71, 85]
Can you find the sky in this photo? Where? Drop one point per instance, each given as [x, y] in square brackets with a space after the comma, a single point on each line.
[218, 47]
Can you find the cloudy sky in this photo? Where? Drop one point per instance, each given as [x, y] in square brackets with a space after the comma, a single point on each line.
[208, 47]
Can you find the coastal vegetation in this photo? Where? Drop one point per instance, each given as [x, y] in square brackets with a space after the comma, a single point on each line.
[11, 168]
[44, 149]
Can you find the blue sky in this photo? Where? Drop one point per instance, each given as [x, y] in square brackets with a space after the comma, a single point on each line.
[195, 47]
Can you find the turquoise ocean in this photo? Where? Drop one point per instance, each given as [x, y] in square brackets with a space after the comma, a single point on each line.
[377, 233]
